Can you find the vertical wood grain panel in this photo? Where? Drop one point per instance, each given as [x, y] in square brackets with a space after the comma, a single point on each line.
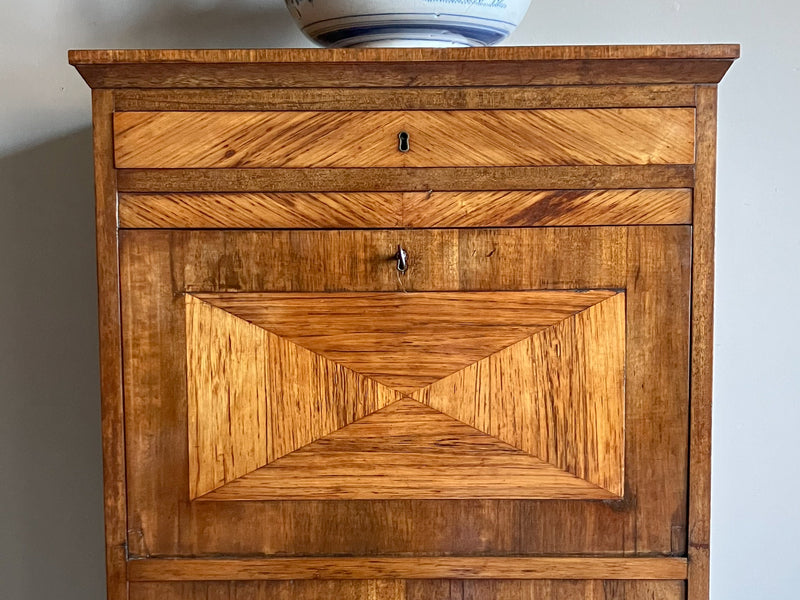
[702, 345]
[657, 366]
[226, 384]
[112, 405]
[154, 353]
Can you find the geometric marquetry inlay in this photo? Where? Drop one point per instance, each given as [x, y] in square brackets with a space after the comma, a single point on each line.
[419, 395]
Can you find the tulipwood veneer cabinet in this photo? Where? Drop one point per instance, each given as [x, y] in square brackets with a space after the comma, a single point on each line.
[396, 324]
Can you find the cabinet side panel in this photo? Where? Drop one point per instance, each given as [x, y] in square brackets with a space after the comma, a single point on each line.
[702, 344]
[110, 346]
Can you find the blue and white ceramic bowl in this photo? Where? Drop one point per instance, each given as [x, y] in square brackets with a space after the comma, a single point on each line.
[405, 23]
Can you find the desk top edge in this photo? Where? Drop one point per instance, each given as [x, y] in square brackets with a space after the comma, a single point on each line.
[342, 55]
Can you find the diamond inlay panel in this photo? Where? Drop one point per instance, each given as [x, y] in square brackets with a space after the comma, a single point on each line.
[327, 393]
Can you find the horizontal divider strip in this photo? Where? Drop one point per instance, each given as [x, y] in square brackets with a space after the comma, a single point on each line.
[405, 179]
[388, 210]
[479, 98]
[667, 568]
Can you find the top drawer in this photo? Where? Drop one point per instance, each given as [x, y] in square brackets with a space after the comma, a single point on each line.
[464, 138]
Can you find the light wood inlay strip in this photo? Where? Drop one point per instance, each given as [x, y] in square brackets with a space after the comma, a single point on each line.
[406, 568]
[336, 210]
[438, 138]
[401, 179]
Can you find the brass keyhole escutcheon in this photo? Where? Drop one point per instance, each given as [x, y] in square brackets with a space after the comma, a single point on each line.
[404, 144]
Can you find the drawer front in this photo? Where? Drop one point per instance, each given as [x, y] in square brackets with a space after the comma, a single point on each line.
[382, 589]
[300, 366]
[384, 210]
[473, 138]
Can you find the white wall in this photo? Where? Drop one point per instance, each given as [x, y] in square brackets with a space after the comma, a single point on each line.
[50, 495]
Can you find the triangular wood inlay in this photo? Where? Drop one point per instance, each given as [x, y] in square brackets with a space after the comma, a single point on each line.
[407, 450]
[254, 396]
[558, 394]
[406, 340]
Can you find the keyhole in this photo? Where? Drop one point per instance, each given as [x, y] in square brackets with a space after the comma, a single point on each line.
[404, 146]
[402, 259]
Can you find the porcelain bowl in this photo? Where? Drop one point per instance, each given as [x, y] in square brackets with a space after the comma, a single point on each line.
[407, 23]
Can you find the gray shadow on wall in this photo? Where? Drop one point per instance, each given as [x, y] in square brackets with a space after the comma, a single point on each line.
[50, 458]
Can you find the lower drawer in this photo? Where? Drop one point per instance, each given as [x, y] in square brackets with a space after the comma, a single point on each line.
[411, 590]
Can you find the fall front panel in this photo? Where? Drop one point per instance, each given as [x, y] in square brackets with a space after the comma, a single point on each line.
[294, 332]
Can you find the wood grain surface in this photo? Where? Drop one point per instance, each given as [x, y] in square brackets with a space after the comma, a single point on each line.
[334, 210]
[407, 68]
[482, 457]
[406, 179]
[406, 340]
[651, 263]
[437, 589]
[702, 327]
[551, 208]
[456, 567]
[226, 387]
[294, 55]
[408, 450]
[558, 394]
[540, 371]
[254, 397]
[306, 139]
[322, 210]
[108, 312]
[510, 97]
